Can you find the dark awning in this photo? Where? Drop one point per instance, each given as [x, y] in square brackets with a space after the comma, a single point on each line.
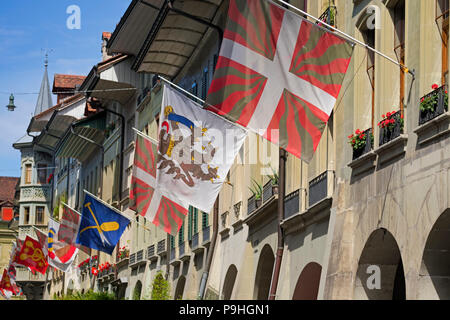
[174, 36]
[83, 137]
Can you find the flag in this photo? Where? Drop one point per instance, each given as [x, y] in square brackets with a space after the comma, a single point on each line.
[101, 226]
[32, 256]
[278, 74]
[7, 284]
[196, 150]
[145, 198]
[68, 228]
[60, 255]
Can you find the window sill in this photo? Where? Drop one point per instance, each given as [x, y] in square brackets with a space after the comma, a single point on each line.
[392, 149]
[433, 129]
[364, 163]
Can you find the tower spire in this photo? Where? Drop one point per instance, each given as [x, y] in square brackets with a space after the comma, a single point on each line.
[44, 100]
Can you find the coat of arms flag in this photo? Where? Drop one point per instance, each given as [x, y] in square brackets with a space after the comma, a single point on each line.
[196, 150]
[145, 198]
[278, 74]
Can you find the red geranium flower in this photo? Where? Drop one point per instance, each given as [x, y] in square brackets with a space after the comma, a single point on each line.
[358, 132]
[434, 86]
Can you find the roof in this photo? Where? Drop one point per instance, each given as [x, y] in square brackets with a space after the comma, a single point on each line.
[44, 100]
[65, 82]
[8, 188]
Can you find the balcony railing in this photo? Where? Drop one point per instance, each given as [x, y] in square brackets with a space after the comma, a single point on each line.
[438, 102]
[132, 259]
[194, 241]
[367, 148]
[267, 191]
[206, 234]
[150, 252]
[318, 188]
[172, 254]
[139, 256]
[291, 204]
[393, 131]
[161, 248]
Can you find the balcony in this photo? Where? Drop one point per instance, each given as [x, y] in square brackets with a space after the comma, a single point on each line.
[137, 259]
[434, 117]
[24, 275]
[364, 159]
[161, 248]
[41, 193]
[291, 204]
[392, 142]
[173, 257]
[319, 188]
[195, 247]
[253, 204]
[391, 132]
[206, 236]
[151, 254]
[268, 191]
[182, 254]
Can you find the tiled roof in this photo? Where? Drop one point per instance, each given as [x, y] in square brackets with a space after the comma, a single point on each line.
[8, 188]
[63, 82]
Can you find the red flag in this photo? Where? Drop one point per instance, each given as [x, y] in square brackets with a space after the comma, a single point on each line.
[278, 74]
[7, 284]
[32, 256]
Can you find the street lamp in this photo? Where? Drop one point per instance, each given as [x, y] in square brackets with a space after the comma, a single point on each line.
[11, 105]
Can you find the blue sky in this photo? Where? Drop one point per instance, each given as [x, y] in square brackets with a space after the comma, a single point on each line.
[27, 27]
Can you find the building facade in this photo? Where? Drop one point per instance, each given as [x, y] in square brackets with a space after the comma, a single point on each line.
[349, 216]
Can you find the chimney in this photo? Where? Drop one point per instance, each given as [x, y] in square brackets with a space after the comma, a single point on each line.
[105, 38]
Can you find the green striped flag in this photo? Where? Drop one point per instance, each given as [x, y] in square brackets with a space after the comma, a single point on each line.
[278, 74]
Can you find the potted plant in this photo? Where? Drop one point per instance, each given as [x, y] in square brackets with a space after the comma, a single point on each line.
[274, 180]
[257, 191]
[391, 126]
[361, 142]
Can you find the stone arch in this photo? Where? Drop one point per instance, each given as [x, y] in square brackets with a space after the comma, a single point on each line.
[307, 287]
[228, 283]
[178, 295]
[434, 276]
[380, 274]
[263, 275]
[137, 290]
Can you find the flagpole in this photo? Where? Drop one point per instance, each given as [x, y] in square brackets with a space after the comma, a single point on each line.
[143, 135]
[346, 36]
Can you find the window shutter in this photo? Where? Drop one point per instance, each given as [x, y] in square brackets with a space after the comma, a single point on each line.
[195, 220]
[190, 223]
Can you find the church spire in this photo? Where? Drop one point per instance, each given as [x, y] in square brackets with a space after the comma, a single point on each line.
[44, 100]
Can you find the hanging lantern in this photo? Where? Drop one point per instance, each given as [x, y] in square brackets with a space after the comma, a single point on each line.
[11, 105]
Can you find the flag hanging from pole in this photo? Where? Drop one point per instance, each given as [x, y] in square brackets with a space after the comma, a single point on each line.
[196, 150]
[68, 228]
[278, 74]
[32, 256]
[146, 199]
[60, 255]
[101, 226]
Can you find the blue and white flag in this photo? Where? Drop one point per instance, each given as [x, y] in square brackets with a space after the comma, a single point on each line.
[101, 226]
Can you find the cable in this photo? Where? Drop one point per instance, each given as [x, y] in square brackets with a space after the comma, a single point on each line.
[72, 92]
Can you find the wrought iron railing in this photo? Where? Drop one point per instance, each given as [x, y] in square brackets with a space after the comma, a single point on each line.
[390, 132]
[194, 241]
[206, 234]
[368, 146]
[267, 191]
[437, 102]
[161, 246]
[291, 204]
[318, 188]
[150, 251]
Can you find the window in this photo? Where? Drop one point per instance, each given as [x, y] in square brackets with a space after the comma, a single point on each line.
[40, 215]
[130, 131]
[42, 173]
[194, 88]
[26, 215]
[28, 173]
[172, 241]
[205, 222]
[399, 45]
[442, 19]
[181, 235]
[370, 40]
[192, 222]
[205, 83]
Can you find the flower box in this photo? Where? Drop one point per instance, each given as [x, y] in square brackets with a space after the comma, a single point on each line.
[365, 144]
[433, 104]
[391, 127]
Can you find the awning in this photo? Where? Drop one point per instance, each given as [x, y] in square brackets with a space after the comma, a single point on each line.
[174, 33]
[111, 80]
[83, 137]
[134, 27]
[173, 41]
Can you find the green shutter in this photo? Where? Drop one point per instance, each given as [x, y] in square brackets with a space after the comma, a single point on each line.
[181, 235]
[205, 222]
[172, 241]
[195, 221]
[190, 223]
